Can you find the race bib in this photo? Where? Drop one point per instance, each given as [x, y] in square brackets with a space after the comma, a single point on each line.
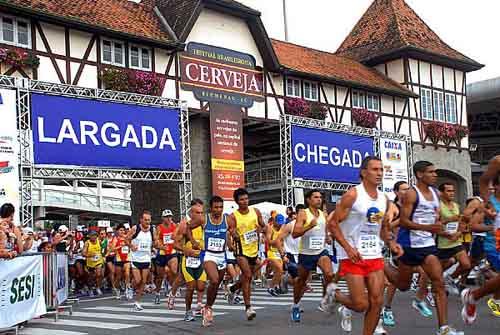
[216, 244]
[452, 227]
[277, 255]
[143, 246]
[316, 242]
[369, 245]
[251, 237]
[125, 250]
[167, 239]
[193, 262]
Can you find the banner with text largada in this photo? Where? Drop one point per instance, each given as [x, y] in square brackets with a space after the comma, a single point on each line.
[22, 295]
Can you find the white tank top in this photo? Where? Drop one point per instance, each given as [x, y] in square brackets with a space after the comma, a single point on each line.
[144, 244]
[362, 227]
[291, 244]
[424, 213]
[313, 241]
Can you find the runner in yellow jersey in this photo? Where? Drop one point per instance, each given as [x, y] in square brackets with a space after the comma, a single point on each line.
[94, 261]
[275, 254]
[245, 225]
[192, 264]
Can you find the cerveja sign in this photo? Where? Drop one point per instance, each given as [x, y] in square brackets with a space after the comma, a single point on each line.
[221, 75]
[328, 156]
[79, 132]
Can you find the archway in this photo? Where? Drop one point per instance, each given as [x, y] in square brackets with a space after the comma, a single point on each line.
[457, 180]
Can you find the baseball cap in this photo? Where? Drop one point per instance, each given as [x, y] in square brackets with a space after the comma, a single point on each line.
[166, 212]
[28, 230]
[62, 228]
[280, 219]
[92, 232]
[109, 230]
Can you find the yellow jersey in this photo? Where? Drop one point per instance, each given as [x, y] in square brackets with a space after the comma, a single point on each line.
[198, 236]
[273, 252]
[247, 228]
[94, 250]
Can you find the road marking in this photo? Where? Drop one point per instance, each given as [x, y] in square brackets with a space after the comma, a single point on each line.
[96, 299]
[146, 311]
[223, 307]
[83, 323]
[43, 331]
[132, 316]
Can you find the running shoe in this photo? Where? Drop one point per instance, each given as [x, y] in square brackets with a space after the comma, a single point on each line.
[197, 310]
[295, 314]
[451, 286]
[308, 289]
[380, 328]
[171, 301]
[157, 298]
[469, 312]
[345, 318]
[272, 292]
[230, 295]
[494, 307]
[328, 301]
[278, 290]
[449, 331]
[189, 317]
[117, 293]
[129, 293]
[430, 299]
[422, 308]
[207, 316]
[137, 307]
[91, 293]
[388, 317]
[238, 301]
[250, 314]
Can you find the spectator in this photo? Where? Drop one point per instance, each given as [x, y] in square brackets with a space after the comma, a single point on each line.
[4, 252]
[14, 235]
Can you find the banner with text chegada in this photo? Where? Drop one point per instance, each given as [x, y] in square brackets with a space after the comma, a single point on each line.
[395, 160]
[22, 295]
[9, 149]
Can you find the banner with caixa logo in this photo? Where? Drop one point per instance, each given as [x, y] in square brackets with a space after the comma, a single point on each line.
[21, 286]
[9, 149]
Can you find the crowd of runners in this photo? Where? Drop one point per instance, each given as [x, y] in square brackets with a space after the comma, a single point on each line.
[421, 240]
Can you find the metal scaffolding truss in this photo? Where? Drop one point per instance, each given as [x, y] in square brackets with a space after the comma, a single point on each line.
[288, 183]
[29, 171]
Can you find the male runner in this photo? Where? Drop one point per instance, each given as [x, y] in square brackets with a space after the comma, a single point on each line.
[94, 262]
[166, 261]
[450, 245]
[215, 231]
[192, 244]
[358, 225]
[491, 248]
[245, 225]
[141, 240]
[310, 226]
[122, 263]
[275, 253]
[418, 224]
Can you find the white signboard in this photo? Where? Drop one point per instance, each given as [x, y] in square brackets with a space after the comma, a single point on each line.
[22, 295]
[103, 224]
[61, 279]
[9, 149]
[395, 161]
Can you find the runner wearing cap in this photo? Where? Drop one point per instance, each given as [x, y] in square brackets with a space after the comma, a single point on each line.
[166, 260]
[121, 248]
[94, 262]
[275, 253]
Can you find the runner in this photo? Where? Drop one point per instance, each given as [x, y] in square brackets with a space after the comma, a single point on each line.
[245, 225]
[275, 254]
[358, 224]
[166, 261]
[94, 263]
[109, 256]
[215, 231]
[191, 265]
[491, 248]
[418, 223]
[450, 248]
[310, 226]
[121, 249]
[141, 240]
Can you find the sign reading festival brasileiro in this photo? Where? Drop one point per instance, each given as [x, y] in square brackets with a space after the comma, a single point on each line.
[228, 80]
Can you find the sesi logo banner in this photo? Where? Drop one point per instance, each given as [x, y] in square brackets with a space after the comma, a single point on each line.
[71, 131]
[328, 156]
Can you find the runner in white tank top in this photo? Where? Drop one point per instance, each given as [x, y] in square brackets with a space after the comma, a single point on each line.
[419, 222]
[358, 225]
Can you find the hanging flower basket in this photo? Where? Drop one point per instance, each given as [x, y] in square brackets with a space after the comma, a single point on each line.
[317, 111]
[297, 107]
[19, 58]
[444, 132]
[364, 118]
[141, 82]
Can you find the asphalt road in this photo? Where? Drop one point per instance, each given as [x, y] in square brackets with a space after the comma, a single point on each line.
[108, 316]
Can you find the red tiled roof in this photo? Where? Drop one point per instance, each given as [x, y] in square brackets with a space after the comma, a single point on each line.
[336, 68]
[391, 25]
[122, 16]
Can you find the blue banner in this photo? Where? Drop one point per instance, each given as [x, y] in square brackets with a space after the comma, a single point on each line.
[80, 132]
[328, 156]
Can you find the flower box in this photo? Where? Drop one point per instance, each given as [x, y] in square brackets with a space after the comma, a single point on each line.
[364, 118]
[141, 82]
[303, 108]
[18, 58]
[444, 132]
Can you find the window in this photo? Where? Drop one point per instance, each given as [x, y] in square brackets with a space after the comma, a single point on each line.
[372, 103]
[310, 91]
[140, 58]
[358, 99]
[426, 104]
[15, 31]
[293, 88]
[438, 106]
[113, 53]
[450, 108]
